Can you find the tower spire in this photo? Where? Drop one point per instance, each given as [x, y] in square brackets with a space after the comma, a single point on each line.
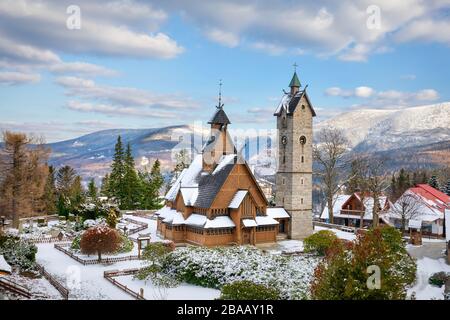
[220, 105]
[295, 82]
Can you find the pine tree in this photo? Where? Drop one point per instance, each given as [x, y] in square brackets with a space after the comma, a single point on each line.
[131, 182]
[394, 192]
[104, 189]
[157, 182]
[354, 178]
[92, 190]
[433, 182]
[50, 195]
[76, 195]
[116, 178]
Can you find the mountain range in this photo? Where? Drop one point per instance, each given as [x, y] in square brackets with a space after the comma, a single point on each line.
[411, 137]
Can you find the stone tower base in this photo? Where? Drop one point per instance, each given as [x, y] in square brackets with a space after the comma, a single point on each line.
[301, 224]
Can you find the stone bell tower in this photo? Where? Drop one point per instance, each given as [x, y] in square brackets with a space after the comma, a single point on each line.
[294, 175]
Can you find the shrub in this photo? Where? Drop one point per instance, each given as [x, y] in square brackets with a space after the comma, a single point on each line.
[126, 244]
[155, 254]
[100, 239]
[319, 242]
[438, 279]
[247, 290]
[112, 217]
[76, 243]
[344, 272]
[18, 253]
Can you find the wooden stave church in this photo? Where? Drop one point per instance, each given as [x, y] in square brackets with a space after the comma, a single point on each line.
[217, 200]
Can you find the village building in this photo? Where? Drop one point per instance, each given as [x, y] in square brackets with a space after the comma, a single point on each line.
[349, 210]
[422, 204]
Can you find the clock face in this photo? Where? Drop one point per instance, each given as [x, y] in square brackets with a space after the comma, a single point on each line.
[302, 139]
[284, 140]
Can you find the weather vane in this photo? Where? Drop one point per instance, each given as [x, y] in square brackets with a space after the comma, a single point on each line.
[220, 105]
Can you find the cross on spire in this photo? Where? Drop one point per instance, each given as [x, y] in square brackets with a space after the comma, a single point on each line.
[295, 66]
[220, 105]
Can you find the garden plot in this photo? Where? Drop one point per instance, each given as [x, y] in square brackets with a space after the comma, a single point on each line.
[84, 282]
[183, 291]
[39, 287]
[291, 275]
[151, 229]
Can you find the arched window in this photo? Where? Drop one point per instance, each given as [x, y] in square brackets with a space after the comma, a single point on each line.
[303, 159]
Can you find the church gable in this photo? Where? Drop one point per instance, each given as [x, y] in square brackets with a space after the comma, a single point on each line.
[240, 178]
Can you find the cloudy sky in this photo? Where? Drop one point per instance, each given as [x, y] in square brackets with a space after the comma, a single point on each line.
[141, 64]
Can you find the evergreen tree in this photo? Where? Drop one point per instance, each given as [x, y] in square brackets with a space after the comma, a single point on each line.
[157, 182]
[433, 182]
[50, 194]
[393, 186]
[104, 189]
[131, 182]
[116, 178]
[92, 190]
[353, 184]
[76, 195]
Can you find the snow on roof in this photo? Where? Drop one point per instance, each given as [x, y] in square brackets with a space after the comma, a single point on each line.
[249, 223]
[284, 103]
[237, 199]
[415, 224]
[178, 219]
[223, 161]
[164, 212]
[338, 202]
[4, 266]
[265, 221]
[187, 178]
[219, 222]
[190, 195]
[277, 213]
[195, 219]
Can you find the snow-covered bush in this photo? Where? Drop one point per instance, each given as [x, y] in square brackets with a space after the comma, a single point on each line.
[247, 290]
[215, 267]
[126, 245]
[18, 252]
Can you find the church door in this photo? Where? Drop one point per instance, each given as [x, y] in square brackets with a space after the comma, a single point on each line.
[246, 232]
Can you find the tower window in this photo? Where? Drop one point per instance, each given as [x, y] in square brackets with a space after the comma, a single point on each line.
[284, 122]
[283, 181]
[301, 200]
[303, 107]
[301, 180]
[302, 139]
[303, 159]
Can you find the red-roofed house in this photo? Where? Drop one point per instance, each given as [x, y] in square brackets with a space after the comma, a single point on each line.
[422, 203]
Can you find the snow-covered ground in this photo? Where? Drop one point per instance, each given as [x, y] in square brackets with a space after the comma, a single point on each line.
[340, 234]
[39, 288]
[182, 292]
[425, 268]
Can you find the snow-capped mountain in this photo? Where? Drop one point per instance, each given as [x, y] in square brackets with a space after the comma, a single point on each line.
[381, 130]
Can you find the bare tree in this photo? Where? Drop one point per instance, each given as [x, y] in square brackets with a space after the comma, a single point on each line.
[328, 152]
[23, 173]
[406, 207]
[373, 182]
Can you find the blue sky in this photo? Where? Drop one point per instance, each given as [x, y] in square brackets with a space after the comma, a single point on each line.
[136, 64]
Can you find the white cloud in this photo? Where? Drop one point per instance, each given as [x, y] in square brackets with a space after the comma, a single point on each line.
[427, 30]
[364, 92]
[112, 110]
[387, 98]
[15, 78]
[224, 38]
[81, 68]
[326, 28]
[269, 48]
[124, 96]
[118, 28]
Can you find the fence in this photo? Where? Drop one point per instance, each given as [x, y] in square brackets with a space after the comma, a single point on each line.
[49, 240]
[108, 275]
[142, 225]
[55, 283]
[334, 226]
[94, 261]
[14, 287]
